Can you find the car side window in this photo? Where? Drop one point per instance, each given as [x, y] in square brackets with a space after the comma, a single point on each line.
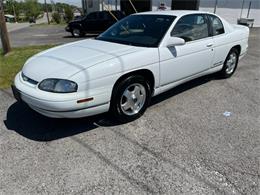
[102, 15]
[92, 16]
[109, 16]
[118, 14]
[191, 27]
[217, 26]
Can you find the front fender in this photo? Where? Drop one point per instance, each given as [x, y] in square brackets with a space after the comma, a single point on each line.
[76, 25]
[101, 78]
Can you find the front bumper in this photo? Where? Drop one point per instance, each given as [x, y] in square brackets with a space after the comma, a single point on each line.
[68, 29]
[63, 106]
[73, 114]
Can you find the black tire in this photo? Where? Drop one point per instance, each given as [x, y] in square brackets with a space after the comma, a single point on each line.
[77, 33]
[224, 73]
[116, 108]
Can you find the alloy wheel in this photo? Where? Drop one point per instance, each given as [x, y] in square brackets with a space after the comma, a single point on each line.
[76, 32]
[133, 99]
[231, 63]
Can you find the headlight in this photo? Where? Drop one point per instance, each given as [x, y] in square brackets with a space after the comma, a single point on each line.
[58, 86]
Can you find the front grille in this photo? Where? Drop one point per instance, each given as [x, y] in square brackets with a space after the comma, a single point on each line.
[29, 80]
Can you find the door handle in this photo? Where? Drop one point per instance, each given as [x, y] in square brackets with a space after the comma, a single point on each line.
[210, 45]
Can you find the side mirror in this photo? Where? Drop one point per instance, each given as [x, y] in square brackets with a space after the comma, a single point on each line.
[175, 41]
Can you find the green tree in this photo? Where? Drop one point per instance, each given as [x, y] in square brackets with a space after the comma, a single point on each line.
[13, 7]
[9, 6]
[32, 8]
[68, 14]
[56, 17]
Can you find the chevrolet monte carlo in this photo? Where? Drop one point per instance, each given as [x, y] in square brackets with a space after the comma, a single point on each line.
[140, 56]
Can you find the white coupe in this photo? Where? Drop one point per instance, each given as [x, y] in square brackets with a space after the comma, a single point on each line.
[139, 57]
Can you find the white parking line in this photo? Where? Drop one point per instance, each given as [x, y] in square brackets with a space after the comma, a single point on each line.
[41, 35]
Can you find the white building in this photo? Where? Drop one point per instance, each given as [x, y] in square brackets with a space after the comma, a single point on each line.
[228, 9]
[140, 5]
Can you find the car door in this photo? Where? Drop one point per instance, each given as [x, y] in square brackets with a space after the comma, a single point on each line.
[106, 21]
[90, 24]
[180, 62]
[220, 38]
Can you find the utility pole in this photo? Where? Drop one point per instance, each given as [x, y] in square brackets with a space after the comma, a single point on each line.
[102, 5]
[216, 5]
[3, 30]
[15, 18]
[47, 11]
[243, 3]
[249, 9]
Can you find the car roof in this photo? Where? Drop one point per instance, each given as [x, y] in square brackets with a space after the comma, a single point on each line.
[110, 11]
[176, 13]
[9, 16]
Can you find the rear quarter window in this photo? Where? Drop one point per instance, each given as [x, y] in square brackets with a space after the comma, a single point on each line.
[217, 25]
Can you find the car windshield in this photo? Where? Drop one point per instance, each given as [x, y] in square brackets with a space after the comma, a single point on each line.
[138, 30]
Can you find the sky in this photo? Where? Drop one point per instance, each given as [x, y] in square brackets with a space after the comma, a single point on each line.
[72, 2]
[203, 3]
[230, 3]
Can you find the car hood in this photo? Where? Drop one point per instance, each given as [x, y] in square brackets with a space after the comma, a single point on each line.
[76, 20]
[67, 60]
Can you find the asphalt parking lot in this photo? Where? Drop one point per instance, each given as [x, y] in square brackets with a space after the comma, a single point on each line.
[41, 35]
[184, 144]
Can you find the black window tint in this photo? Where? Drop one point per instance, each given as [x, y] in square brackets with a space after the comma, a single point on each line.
[139, 30]
[217, 26]
[101, 15]
[92, 16]
[109, 16]
[191, 27]
[117, 14]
